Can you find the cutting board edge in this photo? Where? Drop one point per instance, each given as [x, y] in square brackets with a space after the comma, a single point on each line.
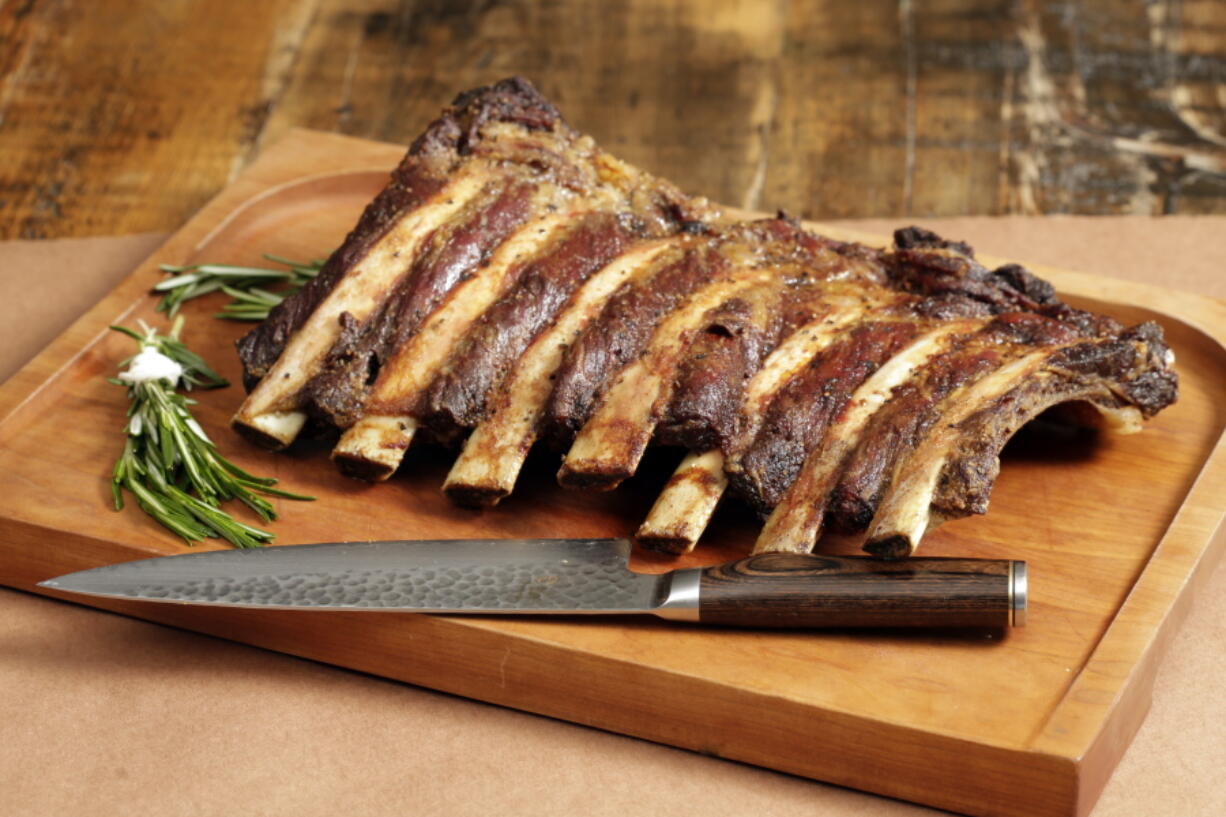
[713, 718]
[1139, 642]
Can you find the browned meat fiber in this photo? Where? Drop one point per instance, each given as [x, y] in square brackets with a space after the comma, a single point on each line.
[514, 283]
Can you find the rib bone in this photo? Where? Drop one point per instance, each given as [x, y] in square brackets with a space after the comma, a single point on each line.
[1120, 380]
[358, 293]
[796, 521]
[373, 447]
[611, 444]
[683, 509]
[486, 470]
[904, 515]
[679, 517]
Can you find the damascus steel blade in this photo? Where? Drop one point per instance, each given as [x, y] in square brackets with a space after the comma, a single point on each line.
[438, 576]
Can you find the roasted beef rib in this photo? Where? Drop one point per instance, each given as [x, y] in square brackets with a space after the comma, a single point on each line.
[514, 284]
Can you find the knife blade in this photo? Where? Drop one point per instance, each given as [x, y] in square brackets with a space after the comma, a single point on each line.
[574, 576]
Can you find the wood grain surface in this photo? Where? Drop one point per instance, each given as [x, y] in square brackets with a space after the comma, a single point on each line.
[1120, 529]
[123, 116]
[815, 590]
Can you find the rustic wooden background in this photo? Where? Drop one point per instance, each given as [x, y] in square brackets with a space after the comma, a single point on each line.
[126, 115]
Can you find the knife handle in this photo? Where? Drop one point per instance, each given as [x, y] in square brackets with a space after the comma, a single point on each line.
[807, 590]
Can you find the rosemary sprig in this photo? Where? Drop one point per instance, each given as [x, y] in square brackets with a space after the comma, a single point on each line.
[168, 463]
[247, 286]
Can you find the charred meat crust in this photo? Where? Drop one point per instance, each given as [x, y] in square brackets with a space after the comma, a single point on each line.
[710, 382]
[421, 174]
[925, 263]
[338, 392]
[513, 100]
[799, 415]
[915, 406]
[457, 398]
[1150, 384]
[259, 349]
[619, 335]
[1114, 373]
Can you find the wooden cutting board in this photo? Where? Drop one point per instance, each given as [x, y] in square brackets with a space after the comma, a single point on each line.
[1117, 532]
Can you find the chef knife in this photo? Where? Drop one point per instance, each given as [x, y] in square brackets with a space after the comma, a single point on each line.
[575, 576]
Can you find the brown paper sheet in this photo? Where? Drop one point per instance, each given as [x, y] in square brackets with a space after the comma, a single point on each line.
[103, 715]
[45, 285]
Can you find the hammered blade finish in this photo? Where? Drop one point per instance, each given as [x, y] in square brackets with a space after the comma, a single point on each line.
[472, 576]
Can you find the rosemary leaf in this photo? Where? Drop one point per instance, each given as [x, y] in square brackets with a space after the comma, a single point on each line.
[168, 463]
[176, 282]
[251, 301]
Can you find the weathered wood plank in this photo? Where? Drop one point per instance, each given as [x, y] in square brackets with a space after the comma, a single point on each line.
[123, 117]
[118, 116]
[1094, 113]
[842, 112]
[681, 88]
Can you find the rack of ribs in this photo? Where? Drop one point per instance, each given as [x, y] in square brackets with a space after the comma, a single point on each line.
[515, 284]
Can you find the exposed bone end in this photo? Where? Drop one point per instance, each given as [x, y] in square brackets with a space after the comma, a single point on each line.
[475, 496]
[591, 466]
[906, 513]
[372, 449]
[596, 462]
[686, 504]
[273, 430]
[1090, 414]
[485, 472]
[476, 481]
[795, 523]
[904, 518]
[894, 546]
[592, 475]
[606, 452]
[1123, 420]
[675, 544]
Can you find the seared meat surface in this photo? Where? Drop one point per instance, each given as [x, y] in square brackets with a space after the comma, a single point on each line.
[515, 283]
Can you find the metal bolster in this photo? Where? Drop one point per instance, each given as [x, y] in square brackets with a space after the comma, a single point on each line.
[1018, 593]
[681, 601]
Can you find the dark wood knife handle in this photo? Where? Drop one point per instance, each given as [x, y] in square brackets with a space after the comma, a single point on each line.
[807, 590]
